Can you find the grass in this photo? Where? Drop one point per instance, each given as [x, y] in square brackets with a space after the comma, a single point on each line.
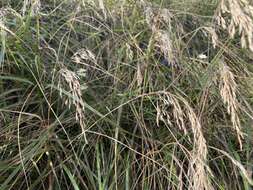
[125, 95]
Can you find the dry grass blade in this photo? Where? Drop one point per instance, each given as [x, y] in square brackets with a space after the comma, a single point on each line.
[247, 174]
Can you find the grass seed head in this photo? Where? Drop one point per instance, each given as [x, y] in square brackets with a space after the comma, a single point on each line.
[83, 56]
[72, 81]
[228, 88]
[164, 43]
[241, 19]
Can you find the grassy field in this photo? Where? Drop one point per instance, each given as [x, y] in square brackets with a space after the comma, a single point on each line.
[126, 94]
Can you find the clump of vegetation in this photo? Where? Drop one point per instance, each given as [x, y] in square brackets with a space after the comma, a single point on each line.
[126, 94]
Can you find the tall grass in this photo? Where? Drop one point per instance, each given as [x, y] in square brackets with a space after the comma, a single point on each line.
[126, 94]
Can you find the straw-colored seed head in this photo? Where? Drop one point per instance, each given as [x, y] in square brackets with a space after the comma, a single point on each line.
[170, 105]
[211, 31]
[3, 12]
[175, 108]
[36, 5]
[164, 43]
[228, 88]
[72, 81]
[83, 55]
[241, 20]
[156, 17]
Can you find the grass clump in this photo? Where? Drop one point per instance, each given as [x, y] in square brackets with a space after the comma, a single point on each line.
[126, 94]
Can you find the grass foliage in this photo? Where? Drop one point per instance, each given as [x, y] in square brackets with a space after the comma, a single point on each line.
[126, 94]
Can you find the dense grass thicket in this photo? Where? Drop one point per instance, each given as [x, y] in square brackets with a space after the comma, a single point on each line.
[126, 94]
